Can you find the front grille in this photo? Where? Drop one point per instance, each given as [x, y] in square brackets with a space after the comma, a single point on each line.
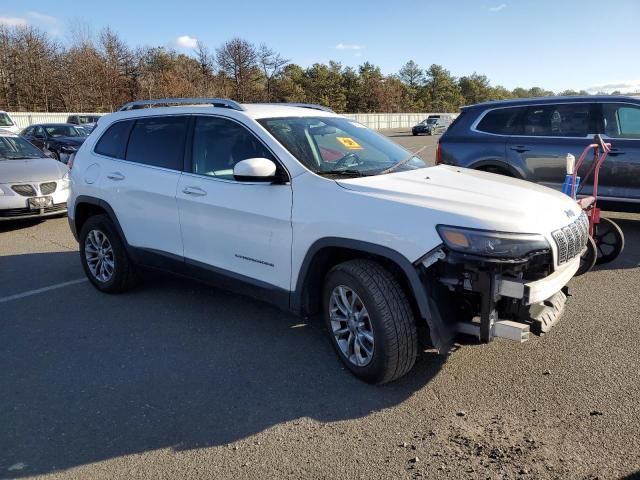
[25, 190]
[25, 212]
[571, 239]
[48, 188]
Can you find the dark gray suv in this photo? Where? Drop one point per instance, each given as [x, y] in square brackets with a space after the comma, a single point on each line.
[530, 139]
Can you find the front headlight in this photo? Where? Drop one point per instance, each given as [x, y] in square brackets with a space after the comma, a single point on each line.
[486, 243]
[64, 181]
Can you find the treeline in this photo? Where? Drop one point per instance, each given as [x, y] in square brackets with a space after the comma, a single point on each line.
[100, 73]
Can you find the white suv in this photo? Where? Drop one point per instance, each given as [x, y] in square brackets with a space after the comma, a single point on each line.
[303, 208]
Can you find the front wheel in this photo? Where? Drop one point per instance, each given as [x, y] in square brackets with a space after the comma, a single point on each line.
[370, 321]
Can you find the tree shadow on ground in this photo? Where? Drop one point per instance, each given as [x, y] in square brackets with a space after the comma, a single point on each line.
[86, 377]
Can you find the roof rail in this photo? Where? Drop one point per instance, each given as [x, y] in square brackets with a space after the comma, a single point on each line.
[314, 106]
[216, 102]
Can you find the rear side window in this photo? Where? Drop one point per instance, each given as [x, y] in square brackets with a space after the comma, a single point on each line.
[566, 120]
[621, 120]
[158, 141]
[113, 142]
[502, 121]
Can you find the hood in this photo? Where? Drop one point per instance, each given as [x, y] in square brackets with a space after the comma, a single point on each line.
[75, 141]
[31, 170]
[471, 198]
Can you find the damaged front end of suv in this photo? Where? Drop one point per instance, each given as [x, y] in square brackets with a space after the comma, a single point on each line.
[492, 284]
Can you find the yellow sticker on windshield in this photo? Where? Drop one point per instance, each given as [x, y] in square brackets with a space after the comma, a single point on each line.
[349, 143]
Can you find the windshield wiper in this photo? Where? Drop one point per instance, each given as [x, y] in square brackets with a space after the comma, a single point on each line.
[402, 162]
[345, 171]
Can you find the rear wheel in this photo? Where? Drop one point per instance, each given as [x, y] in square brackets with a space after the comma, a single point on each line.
[104, 257]
[370, 321]
[588, 258]
[609, 240]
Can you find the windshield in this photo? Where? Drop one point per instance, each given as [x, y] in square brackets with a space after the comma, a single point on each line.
[15, 148]
[63, 131]
[5, 120]
[337, 146]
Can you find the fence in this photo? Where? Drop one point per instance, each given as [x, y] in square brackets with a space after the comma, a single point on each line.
[377, 121]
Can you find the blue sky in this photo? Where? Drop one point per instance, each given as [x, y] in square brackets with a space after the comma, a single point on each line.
[552, 44]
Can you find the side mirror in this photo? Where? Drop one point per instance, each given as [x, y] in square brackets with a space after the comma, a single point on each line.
[255, 170]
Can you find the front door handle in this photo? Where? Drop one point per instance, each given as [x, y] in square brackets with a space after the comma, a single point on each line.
[117, 176]
[195, 191]
[520, 149]
[615, 152]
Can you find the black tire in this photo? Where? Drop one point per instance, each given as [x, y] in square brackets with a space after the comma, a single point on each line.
[588, 258]
[124, 274]
[414, 134]
[609, 240]
[391, 317]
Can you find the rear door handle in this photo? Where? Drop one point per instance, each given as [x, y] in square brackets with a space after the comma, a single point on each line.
[195, 191]
[615, 152]
[115, 176]
[520, 149]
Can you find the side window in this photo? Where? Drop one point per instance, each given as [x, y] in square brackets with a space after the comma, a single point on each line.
[158, 141]
[621, 120]
[503, 121]
[39, 132]
[565, 120]
[113, 142]
[27, 131]
[218, 144]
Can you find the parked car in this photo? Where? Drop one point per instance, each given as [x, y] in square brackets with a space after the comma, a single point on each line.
[60, 140]
[433, 125]
[530, 139]
[85, 121]
[7, 123]
[241, 196]
[31, 184]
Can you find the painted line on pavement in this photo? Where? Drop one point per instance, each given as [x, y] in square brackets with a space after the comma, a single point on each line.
[38, 291]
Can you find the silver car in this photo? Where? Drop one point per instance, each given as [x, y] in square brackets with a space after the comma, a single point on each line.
[32, 185]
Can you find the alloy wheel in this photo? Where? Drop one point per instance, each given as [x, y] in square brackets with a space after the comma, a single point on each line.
[351, 325]
[98, 253]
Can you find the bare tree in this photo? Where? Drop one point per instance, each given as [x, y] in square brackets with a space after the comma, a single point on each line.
[272, 64]
[237, 59]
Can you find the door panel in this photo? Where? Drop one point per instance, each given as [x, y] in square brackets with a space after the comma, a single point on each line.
[244, 228]
[239, 227]
[144, 199]
[544, 159]
[547, 133]
[141, 188]
[620, 172]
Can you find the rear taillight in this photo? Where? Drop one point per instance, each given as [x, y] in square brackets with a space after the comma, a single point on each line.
[72, 157]
[438, 154]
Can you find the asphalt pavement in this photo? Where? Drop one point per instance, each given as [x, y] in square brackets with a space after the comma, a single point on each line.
[180, 380]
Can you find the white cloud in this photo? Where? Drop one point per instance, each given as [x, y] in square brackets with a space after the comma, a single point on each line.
[53, 25]
[497, 8]
[348, 46]
[13, 21]
[625, 86]
[185, 41]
